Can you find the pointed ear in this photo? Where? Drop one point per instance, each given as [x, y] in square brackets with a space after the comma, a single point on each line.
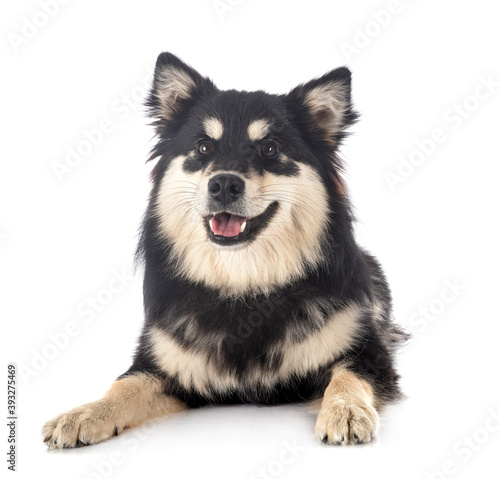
[175, 84]
[325, 105]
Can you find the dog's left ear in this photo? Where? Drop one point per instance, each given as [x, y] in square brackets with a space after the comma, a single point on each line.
[324, 105]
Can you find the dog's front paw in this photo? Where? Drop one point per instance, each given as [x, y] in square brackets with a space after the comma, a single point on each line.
[343, 422]
[88, 424]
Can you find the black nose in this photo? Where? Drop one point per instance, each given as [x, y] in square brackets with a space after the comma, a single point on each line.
[226, 188]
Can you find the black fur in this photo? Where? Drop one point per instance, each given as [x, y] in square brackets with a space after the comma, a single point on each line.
[252, 323]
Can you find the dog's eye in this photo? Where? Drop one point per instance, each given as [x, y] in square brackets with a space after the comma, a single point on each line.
[204, 147]
[269, 150]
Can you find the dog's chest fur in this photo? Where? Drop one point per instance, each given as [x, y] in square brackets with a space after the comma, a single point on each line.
[235, 346]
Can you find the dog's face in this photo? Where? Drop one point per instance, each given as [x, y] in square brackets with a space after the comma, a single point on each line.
[243, 189]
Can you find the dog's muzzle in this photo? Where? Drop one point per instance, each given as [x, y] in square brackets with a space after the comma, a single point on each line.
[228, 225]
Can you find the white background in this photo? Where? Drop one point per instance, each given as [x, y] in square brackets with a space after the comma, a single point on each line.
[63, 239]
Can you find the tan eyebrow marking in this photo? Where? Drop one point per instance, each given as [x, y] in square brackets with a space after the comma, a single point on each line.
[213, 128]
[258, 129]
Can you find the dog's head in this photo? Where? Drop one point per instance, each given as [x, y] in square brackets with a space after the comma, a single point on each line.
[247, 183]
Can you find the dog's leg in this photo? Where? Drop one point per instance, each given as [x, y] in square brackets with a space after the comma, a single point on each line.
[130, 401]
[347, 414]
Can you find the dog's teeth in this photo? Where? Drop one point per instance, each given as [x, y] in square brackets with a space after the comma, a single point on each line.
[210, 222]
[243, 226]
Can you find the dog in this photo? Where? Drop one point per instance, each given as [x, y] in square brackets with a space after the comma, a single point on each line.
[255, 290]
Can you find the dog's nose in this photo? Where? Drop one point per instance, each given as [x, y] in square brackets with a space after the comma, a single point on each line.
[226, 188]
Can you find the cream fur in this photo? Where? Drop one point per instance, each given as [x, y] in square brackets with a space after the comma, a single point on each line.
[258, 129]
[282, 251]
[129, 402]
[173, 84]
[213, 128]
[201, 371]
[347, 414]
[326, 105]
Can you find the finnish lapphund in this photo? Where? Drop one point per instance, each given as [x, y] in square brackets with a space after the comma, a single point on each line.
[255, 290]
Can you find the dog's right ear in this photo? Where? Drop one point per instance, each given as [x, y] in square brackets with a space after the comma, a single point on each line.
[175, 86]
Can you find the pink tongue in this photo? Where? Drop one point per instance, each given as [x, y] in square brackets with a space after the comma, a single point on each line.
[228, 225]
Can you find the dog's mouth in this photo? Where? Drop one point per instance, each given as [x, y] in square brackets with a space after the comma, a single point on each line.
[226, 228]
